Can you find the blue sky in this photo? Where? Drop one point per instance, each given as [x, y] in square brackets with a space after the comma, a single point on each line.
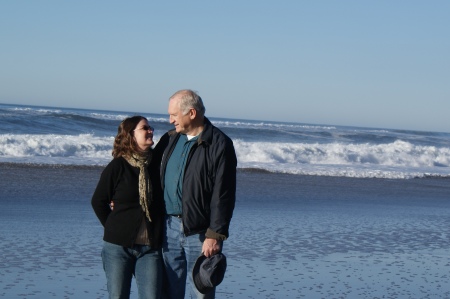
[382, 64]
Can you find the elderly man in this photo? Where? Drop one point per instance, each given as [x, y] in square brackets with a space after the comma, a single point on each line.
[198, 177]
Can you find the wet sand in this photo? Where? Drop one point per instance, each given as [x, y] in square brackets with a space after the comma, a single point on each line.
[291, 236]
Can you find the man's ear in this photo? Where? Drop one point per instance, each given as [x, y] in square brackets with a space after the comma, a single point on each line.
[192, 113]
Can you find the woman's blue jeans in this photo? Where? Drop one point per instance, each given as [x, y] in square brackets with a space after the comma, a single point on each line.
[121, 263]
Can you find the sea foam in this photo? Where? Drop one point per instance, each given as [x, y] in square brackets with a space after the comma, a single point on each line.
[398, 159]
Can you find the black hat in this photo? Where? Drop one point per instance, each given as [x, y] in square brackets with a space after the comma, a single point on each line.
[209, 272]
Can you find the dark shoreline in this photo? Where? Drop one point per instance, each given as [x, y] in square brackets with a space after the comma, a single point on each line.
[76, 182]
[12, 165]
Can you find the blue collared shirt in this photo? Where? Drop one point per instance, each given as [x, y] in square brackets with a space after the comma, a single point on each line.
[173, 179]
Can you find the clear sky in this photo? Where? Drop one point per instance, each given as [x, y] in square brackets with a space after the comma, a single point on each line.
[358, 63]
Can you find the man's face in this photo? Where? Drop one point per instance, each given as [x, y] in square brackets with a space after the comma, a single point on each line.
[181, 122]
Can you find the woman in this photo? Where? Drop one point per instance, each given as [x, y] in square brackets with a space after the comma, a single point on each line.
[132, 230]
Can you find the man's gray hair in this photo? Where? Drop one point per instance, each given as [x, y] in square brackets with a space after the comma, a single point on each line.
[189, 99]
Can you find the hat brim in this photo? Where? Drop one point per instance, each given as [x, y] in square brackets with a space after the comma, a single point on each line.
[195, 273]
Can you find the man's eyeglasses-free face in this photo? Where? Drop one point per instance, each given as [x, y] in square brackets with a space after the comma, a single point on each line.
[146, 128]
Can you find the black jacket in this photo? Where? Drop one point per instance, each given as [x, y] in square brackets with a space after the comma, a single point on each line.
[119, 182]
[209, 183]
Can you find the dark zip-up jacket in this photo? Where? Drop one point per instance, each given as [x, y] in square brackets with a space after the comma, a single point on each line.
[209, 182]
[120, 182]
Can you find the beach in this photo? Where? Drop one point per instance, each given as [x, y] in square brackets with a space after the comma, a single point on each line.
[291, 236]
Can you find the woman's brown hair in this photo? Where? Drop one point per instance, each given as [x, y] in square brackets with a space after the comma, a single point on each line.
[124, 143]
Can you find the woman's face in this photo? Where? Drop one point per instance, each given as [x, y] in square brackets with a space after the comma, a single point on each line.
[143, 135]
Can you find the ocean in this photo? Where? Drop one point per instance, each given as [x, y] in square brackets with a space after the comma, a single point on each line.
[322, 211]
[46, 135]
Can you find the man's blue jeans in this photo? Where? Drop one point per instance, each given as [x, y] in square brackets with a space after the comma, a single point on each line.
[121, 263]
[180, 253]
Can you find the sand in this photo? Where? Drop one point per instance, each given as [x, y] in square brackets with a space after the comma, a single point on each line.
[291, 236]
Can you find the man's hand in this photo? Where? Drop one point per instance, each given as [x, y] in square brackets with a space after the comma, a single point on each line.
[211, 247]
[111, 205]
